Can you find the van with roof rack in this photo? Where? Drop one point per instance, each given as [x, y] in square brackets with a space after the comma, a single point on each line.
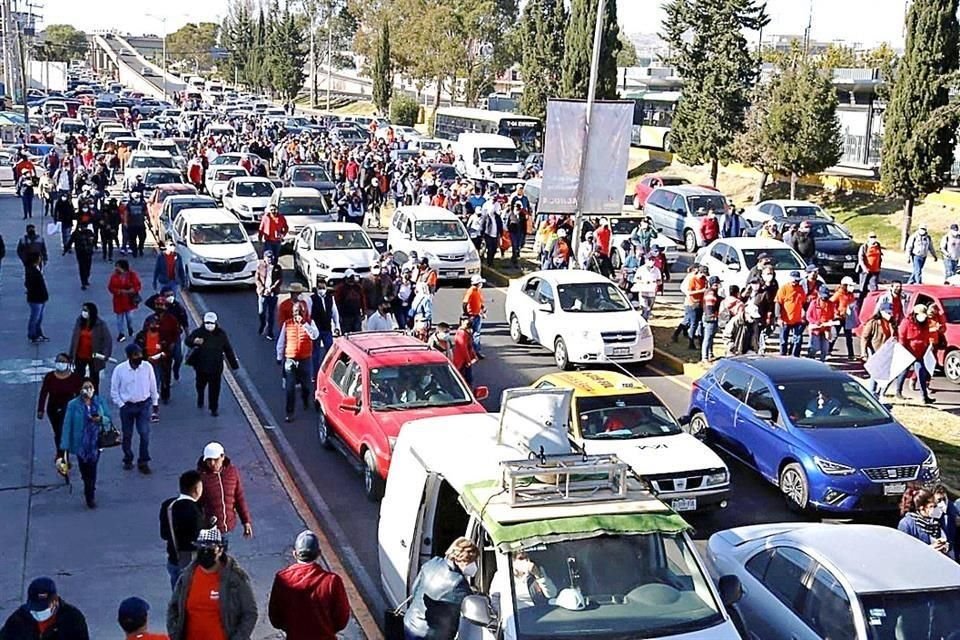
[572, 545]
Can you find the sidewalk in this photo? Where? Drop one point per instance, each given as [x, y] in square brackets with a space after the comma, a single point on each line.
[100, 557]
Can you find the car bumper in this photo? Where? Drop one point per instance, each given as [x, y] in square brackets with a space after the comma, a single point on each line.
[855, 493]
[248, 216]
[696, 501]
[456, 270]
[836, 268]
[585, 351]
[200, 275]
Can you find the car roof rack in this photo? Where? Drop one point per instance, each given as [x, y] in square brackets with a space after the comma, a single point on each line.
[555, 479]
[352, 337]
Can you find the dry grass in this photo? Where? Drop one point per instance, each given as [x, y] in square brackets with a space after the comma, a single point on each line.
[940, 430]
[665, 319]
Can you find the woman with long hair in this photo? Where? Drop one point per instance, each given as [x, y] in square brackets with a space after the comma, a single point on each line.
[91, 344]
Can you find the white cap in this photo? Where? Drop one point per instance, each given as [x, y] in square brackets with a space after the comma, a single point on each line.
[477, 279]
[212, 451]
[847, 280]
[349, 273]
[209, 316]
[561, 233]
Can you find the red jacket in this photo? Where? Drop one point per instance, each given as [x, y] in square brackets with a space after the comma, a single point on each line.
[273, 229]
[122, 302]
[463, 353]
[820, 312]
[914, 336]
[223, 496]
[308, 602]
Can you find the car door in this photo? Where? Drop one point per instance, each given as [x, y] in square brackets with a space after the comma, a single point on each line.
[826, 607]
[547, 324]
[653, 208]
[722, 408]
[333, 389]
[775, 585]
[716, 260]
[764, 441]
[228, 194]
[523, 303]
[303, 254]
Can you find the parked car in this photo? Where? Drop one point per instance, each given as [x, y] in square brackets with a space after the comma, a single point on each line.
[678, 212]
[836, 254]
[371, 383]
[215, 248]
[329, 249]
[622, 227]
[224, 173]
[816, 581]
[173, 205]
[731, 259]
[438, 235]
[582, 317]
[300, 206]
[812, 430]
[247, 197]
[160, 194]
[646, 185]
[759, 213]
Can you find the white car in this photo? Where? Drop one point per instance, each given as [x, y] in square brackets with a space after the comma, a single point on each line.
[328, 249]
[776, 209]
[731, 259]
[234, 157]
[141, 160]
[582, 317]
[622, 227]
[221, 175]
[437, 235]
[214, 129]
[66, 126]
[170, 147]
[429, 147]
[247, 197]
[214, 247]
[148, 129]
[300, 206]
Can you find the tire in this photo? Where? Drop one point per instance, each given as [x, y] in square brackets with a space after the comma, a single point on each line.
[690, 244]
[636, 203]
[323, 431]
[666, 144]
[516, 334]
[372, 482]
[795, 487]
[561, 356]
[698, 427]
[951, 366]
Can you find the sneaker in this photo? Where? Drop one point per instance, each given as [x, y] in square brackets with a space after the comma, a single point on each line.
[214, 413]
[269, 337]
[43, 339]
[928, 400]
[91, 504]
[121, 338]
[144, 468]
[127, 466]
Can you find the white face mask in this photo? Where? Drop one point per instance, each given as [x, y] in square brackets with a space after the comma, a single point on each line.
[470, 570]
[886, 315]
[209, 326]
[937, 512]
[170, 299]
[85, 314]
[61, 366]
[921, 317]
[42, 616]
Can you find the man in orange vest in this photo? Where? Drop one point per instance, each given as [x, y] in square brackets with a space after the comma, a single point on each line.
[790, 302]
[869, 263]
[295, 354]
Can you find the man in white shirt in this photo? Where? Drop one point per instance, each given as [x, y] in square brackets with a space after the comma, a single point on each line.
[382, 320]
[133, 388]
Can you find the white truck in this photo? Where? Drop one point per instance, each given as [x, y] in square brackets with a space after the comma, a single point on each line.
[488, 156]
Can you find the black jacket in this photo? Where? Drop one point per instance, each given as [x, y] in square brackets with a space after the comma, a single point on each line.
[208, 357]
[187, 518]
[805, 245]
[70, 625]
[36, 285]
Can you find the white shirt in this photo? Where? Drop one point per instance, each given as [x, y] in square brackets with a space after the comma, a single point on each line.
[133, 385]
[377, 322]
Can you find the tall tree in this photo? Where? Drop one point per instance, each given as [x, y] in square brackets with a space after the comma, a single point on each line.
[383, 71]
[750, 147]
[61, 42]
[628, 51]
[709, 50]
[287, 54]
[194, 43]
[578, 49]
[542, 34]
[916, 156]
[237, 36]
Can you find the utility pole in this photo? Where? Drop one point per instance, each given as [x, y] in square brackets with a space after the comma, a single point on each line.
[22, 50]
[313, 61]
[329, 53]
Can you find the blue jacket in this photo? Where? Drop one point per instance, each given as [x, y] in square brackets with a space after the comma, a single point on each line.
[434, 610]
[160, 271]
[909, 526]
[73, 421]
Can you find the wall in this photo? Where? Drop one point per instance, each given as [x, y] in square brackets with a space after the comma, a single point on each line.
[49, 76]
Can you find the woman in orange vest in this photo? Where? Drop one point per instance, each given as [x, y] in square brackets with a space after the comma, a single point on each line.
[869, 262]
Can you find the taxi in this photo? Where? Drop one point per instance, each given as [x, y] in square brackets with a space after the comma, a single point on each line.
[613, 413]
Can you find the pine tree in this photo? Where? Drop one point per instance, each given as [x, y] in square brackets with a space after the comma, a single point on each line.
[578, 47]
[287, 55]
[917, 155]
[542, 35]
[237, 36]
[709, 50]
[383, 71]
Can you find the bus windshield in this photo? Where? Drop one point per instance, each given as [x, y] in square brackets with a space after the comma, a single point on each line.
[501, 155]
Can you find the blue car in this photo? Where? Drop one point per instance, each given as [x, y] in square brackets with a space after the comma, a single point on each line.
[813, 431]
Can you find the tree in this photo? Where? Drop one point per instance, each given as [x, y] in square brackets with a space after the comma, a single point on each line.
[578, 48]
[193, 43]
[708, 49]
[286, 54]
[383, 71]
[750, 147]
[838, 56]
[237, 36]
[542, 35]
[62, 42]
[404, 110]
[916, 156]
[628, 51]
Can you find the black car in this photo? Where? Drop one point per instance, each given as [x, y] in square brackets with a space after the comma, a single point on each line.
[309, 175]
[836, 249]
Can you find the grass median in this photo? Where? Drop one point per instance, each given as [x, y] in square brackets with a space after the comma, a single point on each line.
[939, 430]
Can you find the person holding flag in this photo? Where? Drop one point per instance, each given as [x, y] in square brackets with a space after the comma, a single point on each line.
[914, 334]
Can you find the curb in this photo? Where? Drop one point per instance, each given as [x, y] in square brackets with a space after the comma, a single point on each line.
[494, 276]
[676, 366]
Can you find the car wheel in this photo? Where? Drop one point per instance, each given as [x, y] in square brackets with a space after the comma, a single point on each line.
[698, 427]
[794, 486]
[516, 334]
[690, 241]
[560, 355]
[372, 482]
[666, 144]
[323, 431]
[636, 203]
[951, 366]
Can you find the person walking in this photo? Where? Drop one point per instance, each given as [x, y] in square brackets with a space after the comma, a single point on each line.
[844, 298]
[348, 296]
[45, 616]
[156, 341]
[133, 389]
[950, 251]
[85, 241]
[473, 306]
[821, 319]
[491, 225]
[109, 228]
[326, 318]
[37, 297]
[382, 320]
[210, 345]
[181, 519]
[84, 419]
[464, 356]
[693, 286]
[269, 279]
[168, 271]
[273, 229]
[307, 602]
[58, 388]
[918, 247]
[26, 191]
[64, 214]
[132, 616]
[125, 286]
[440, 587]
[295, 355]
[914, 334]
[919, 519]
[223, 497]
[31, 246]
[136, 223]
[790, 304]
[165, 303]
[213, 599]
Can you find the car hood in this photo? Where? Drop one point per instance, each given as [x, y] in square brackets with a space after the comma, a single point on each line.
[660, 454]
[845, 247]
[319, 185]
[251, 201]
[883, 445]
[391, 421]
[347, 258]
[606, 321]
[442, 247]
[222, 251]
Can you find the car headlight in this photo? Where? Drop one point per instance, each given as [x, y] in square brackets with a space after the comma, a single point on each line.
[717, 478]
[321, 265]
[196, 259]
[930, 464]
[251, 257]
[645, 332]
[833, 468]
[244, 207]
[821, 255]
[473, 255]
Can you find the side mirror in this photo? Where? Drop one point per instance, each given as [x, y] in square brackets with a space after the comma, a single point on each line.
[350, 404]
[730, 590]
[733, 266]
[481, 393]
[767, 415]
[476, 610]
[546, 307]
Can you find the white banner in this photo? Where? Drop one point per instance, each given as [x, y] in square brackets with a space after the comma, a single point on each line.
[888, 362]
[562, 153]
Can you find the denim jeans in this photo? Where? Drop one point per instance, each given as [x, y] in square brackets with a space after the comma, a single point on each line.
[27, 201]
[295, 371]
[516, 243]
[320, 347]
[819, 344]
[691, 318]
[122, 318]
[88, 473]
[868, 282]
[949, 267]
[923, 378]
[709, 328]
[177, 356]
[267, 311]
[65, 230]
[34, 325]
[791, 336]
[476, 323]
[136, 415]
[916, 275]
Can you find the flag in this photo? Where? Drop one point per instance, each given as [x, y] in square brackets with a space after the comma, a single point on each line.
[888, 362]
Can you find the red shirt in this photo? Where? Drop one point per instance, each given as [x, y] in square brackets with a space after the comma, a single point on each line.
[308, 603]
[463, 353]
[915, 337]
[203, 619]
[604, 237]
[273, 228]
[85, 345]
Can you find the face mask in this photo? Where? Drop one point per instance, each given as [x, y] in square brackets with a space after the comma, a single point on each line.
[42, 616]
[61, 366]
[207, 558]
[170, 299]
[442, 335]
[937, 512]
[31, 234]
[886, 315]
[767, 277]
[921, 317]
[85, 314]
[209, 326]
[87, 393]
[470, 570]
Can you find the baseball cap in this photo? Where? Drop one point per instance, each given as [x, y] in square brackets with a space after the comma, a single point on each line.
[824, 292]
[847, 280]
[133, 609]
[213, 451]
[919, 308]
[209, 538]
[349, 273]
[811, 268]
[795, 275]
[296, 287]
[307, 546]
[713, 280]
[477, 279]
[40, 592]
[210, 316]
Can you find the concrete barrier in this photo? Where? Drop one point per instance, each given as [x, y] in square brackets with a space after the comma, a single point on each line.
[174, 83]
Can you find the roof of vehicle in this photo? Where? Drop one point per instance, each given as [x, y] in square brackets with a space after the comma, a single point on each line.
[751, 242]
[249, 178]
[297, 192]
[390, 348]
[791, 203]
[151, 153]
[662, 176]
[207, 216]
[428, 212]
[189, 197]
[229, 167]
[182, 188]
[935, 290]
[690, 190]
[335, 226]
[595, 383]
[563, 276]
[786, 368]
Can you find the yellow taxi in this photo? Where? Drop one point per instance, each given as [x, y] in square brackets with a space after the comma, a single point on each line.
[614, 413]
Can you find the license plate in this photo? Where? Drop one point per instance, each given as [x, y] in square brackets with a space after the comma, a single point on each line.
[449, 274]
[621, 351]
[849, 265]
[684, 504]
[894, 488]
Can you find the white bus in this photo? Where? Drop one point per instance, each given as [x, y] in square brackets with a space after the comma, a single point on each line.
[652, 117]
[525, 131]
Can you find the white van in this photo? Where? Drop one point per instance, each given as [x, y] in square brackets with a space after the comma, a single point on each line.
[487, 155]
[214, 247]
[437, 235]
[66, 126]
[429, 147]
[611, 559]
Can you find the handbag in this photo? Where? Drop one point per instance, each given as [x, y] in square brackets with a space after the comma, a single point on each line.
[136, 299]
[109, 437]
[393, 621]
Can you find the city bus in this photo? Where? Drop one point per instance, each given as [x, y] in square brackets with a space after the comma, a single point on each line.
[526, 132]
[652, 117]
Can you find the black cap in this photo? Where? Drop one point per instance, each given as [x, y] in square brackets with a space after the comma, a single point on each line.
[40, 593]
[133, 610]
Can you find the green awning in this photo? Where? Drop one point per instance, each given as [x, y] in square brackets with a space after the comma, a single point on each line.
[510, 536]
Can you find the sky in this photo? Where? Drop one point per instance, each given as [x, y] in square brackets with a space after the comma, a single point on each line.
[832, 19]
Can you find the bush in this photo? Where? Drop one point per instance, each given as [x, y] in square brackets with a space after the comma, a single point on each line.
[403, 111]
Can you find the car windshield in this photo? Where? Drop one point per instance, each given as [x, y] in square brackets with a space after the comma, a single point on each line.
[499, 155]
[219, 233]
[951, 309]
[439, 230]
[415, 386]
[226, 174]
[783, 259]
[146, 124]
[803, 210]
[315, 174]
[153, 178]
[446, 172]
[830, 402]
[71, 127]
[340, 239]
[624, 226]
[592, 297]
[828, 231]
[632, 586]
[177, 207]
[171, 148]
[151, 162]
[226, 159]
[929, 615]
[716, 202]
[430, 145]
[302, 206]
[254, 189]
[622, 417]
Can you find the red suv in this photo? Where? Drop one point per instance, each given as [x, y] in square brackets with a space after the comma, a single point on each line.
[371, 383]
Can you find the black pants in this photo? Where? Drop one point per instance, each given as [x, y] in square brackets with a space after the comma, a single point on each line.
[84, 263]
[210, 382]
[88, 473]
[55, 415]
[138, 236]
[162, 370]
[351, 323]
[84, 369]
[297, 371]
[108, 240]
[491, 244]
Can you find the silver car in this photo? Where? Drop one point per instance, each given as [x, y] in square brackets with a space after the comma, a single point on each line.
[813, 581]
[677, 212]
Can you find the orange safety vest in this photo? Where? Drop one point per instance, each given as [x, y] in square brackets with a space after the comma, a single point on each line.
[298, 345]
[872, 256]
